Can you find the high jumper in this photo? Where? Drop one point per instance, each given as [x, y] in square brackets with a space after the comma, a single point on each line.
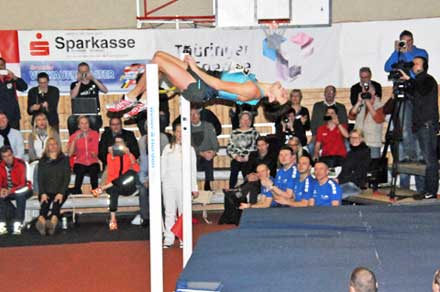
[197, 85]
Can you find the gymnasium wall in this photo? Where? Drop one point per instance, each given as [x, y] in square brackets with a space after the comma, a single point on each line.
[107, 14]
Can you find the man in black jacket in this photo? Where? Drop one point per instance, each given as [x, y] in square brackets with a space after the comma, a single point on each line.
[423, 90]
[364, 78]
[108, 139]
[9, 84]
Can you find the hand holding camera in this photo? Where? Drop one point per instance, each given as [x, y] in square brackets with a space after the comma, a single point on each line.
[400, 45]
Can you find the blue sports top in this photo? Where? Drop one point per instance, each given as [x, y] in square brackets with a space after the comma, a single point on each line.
[238, 77]
[303, 190]
[326, 193]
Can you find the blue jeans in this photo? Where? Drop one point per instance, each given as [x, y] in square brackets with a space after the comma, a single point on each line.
[7, 208]
[426, 135]
[144, 203]
[350, 189]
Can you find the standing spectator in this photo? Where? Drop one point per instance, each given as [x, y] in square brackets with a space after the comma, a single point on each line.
[14, 187]
[9, 84]
[409, 148]
[289, 126]
[234, 114]
[241, 144]
[117, 165]
[53, 183]
[424, 89]
[326, 191]
[108, 139]
[87, 86]
[83, 146]
[11, 137]
[44, 99]
[362, 280]
[364, 78]
[353, 176]
[41, 132]
[303, 187]
[172, 169]
[331, 138]
[205, 143]
[369, 119]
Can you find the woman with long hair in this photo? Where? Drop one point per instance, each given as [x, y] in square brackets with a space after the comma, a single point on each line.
[53, 183]
[41, 132]
[83, 146]
[172, 169]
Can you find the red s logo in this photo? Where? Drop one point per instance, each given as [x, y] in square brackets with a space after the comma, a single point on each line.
[39, 48]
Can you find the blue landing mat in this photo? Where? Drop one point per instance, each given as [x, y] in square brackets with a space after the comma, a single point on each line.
[315, 249]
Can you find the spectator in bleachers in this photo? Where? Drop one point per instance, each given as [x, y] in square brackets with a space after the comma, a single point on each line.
[234, 114]
[353, 176]
[364, 78]
[9, 84]
[108, 139]
[172, 169]
[14, 187]
[119, 161]
[296, 121]
[298, 149]
[41, 132]
[11, 137]
[83, 147]
[143, 218]
[205, 143]
[53, 183]
[436, 282]
[302, 188]
[87, 86]
[44, 98]
[265, 199]
[331, 138]
[207, 115]
[241, 144]
[326, 191]
[286, 175]
[369, 118]
[362, 280]
[320, 110]
[261, 156]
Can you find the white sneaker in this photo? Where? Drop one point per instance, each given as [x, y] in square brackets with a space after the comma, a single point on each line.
[3, 228]
[17, 228]
[136, 220]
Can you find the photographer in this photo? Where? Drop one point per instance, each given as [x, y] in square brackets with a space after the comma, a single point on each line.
[424, 91]
[368, 118]
[364, 78]
[289, 126]
[331, 138]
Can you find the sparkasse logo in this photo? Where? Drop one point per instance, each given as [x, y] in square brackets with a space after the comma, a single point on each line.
[39, 48]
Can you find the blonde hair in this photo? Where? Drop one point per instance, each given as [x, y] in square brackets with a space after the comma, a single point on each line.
[46, 148]
[49, 129]
[359, 132]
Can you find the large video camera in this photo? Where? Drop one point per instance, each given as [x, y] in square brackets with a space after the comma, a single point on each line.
[395, 74]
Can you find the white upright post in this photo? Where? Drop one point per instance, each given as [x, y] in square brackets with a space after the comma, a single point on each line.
[138, 13]
[155, 189]
[186, 178]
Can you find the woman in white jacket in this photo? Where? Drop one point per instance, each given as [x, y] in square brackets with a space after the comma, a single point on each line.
[172, 169]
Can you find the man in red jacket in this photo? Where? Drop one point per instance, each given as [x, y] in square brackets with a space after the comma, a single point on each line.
[13, 186]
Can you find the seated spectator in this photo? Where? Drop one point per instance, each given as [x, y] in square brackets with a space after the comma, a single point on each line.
[331, 138]
[364, 78]
[108, 139]
[143, 218]
[369, 118]
[9, 85]
[11, 137]
[14, 187]
[118, 163]
[44, 99]
[261, 156]
[289, 126]
[326, 191]
[298, 149]
[436, 282]
[265, 199]
[234, 114]
[303, 187]
[205, 143]
[83, 147]
[363, 280]
[172, 169]
[286, 176]
[241, 144]
[353, 176]
[41, 132]
[53, 183]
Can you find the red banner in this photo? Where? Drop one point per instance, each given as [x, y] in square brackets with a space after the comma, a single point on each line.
[9, 46]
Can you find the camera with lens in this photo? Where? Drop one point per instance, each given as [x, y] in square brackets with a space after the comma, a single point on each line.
[366, 95]
[327, 118]
[395, 74]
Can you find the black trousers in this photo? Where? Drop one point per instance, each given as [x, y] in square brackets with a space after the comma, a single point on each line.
[206, 166]
[114, 193]
[56, 206]
[80, 171]
[236, 167]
